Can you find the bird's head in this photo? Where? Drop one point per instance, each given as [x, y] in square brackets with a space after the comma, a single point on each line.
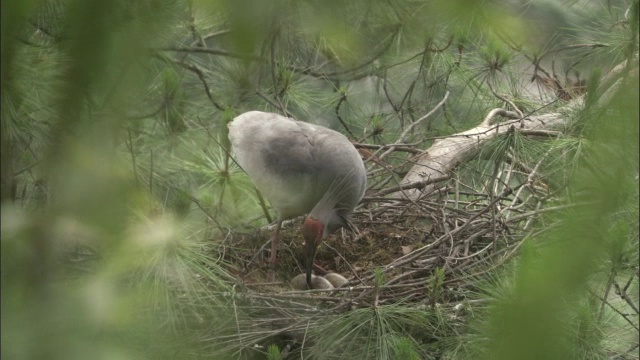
[312, 231]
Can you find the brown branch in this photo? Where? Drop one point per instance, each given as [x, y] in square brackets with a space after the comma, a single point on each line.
[195, 69]
[337, 111]
[624, 316]
[502, 112]
[406, 131]
[400, 148]
[623, 294]
[416, 185]
[283, 110]
[211, 51]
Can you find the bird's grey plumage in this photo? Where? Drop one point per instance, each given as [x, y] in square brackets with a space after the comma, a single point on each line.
[299, 167]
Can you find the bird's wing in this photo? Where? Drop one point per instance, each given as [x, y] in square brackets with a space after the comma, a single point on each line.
[344, 172]
[276, 153]
[270, 142]
[297, 165]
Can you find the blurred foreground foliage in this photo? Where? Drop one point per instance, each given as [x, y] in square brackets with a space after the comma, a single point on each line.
[119, 194]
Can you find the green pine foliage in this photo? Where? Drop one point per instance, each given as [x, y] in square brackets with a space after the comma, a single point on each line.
[129, 232]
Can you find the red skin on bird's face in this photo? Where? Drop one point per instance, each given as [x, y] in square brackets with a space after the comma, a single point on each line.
[312, 230]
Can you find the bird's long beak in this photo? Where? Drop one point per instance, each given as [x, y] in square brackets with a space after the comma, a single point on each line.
[312, 230]
[311, 245]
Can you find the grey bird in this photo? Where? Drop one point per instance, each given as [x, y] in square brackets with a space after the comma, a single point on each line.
[300, 168]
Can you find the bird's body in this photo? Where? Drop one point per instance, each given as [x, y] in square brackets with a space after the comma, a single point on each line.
[294, 163]
[301, 169]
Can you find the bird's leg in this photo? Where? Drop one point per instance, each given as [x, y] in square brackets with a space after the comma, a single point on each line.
[271, 274]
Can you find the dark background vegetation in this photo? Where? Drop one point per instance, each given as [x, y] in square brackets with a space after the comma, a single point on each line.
[128, 231]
